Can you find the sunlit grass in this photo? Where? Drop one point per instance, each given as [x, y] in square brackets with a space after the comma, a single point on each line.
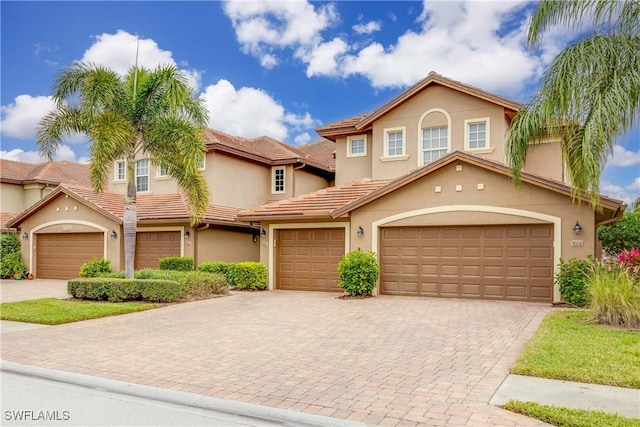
[566, 417]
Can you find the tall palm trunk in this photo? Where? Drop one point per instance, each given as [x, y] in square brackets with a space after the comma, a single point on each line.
[129, 221]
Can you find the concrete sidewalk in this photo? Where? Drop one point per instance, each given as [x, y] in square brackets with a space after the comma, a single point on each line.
[22, 290]
[567, 394]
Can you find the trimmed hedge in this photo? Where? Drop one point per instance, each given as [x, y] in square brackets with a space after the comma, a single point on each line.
[358, 272]
[573, 280]
[150, 285]
[216, 267]
[10, 256]
[117, 290]
[248, 275]
[176, 263]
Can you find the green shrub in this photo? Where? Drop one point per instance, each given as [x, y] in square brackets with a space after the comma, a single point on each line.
[572, 279]
[176, 263]
[623, 235]
[248, 275]
[149, 273]
[96, 267]
[615, 296]
[9, 244]
[10, 256]
[216, 267]
[359, 272]
[201, 285]
[117, 290]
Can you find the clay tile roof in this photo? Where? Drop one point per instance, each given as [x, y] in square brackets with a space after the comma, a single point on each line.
[5, 217]
[341, 126]
[323, 149]
[150, 207]
[46, 172]
[262, 149]
[316, 204]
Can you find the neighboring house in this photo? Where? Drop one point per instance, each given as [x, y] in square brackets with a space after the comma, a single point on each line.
[422, 181]
[22, 184]
[73, 224]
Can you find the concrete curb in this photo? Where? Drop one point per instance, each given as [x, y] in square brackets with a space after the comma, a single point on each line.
[568, 394]
[250, 410]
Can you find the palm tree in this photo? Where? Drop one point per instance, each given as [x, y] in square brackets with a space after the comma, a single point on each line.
[150, 113]
[590, 95]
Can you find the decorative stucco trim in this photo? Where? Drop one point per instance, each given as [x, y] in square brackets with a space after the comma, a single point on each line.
[556, 221]
[274, 227]
[104, 230]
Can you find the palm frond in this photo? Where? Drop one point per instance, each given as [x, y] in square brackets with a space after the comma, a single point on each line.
[56, 125]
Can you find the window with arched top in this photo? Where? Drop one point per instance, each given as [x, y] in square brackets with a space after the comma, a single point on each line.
[435, 135]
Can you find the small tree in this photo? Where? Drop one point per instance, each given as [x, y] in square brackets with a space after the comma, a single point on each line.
[623, 235]
[358, 272]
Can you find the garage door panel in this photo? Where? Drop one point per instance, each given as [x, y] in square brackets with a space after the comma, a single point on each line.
[497, 262]
[60, 256]
[307, 259]
[153, 245]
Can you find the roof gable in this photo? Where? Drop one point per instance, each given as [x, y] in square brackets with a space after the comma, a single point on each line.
[365, 121]
[490, 165]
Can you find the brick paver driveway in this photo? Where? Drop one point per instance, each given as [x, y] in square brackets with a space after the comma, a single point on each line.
[384, 360]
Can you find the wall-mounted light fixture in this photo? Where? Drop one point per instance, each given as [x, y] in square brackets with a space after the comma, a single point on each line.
[114, 235]
[577, 229]
[187, 234]
[254, 237]
[25, 236]
[360, 231]
[263, 233]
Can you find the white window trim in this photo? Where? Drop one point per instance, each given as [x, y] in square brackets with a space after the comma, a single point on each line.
[488, 148]
[273, 179]
[159, 175]
[355, 137]
[148, 175]
[424, 115]
[385, 134]
[115, 171]
[204, 162]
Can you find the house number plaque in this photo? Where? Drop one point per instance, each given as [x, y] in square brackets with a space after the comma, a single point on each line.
[577, 242]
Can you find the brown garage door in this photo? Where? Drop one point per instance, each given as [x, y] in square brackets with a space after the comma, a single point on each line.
[60, 256]
[307, 259]
[513, 262]
[151, 246]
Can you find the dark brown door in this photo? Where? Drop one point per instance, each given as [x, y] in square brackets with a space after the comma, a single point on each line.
[307, 259]
[60, 256]
[151, 246]
[511, 262]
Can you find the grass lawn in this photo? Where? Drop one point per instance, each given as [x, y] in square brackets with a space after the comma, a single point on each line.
[566, 417]
[568, 347]
[52, 311]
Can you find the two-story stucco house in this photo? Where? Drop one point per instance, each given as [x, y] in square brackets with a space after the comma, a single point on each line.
[72, 224]
[22, 184]
[422, 181]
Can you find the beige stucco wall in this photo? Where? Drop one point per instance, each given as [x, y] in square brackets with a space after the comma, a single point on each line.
[352, 168]
[218, 244]
[12, 198]
[236, 182]
[441, 102]
[306, 182]
[67, 215]
[546, 160]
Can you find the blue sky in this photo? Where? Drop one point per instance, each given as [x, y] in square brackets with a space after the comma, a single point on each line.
[279, 68]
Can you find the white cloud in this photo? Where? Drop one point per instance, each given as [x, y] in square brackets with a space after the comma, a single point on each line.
[262, 27]
[322, 58]
[64, 153]
[250, 112]
[20, 119]
[118, 52]
[303, 138]
[368, 28]
[627, 193]
[624, 158]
